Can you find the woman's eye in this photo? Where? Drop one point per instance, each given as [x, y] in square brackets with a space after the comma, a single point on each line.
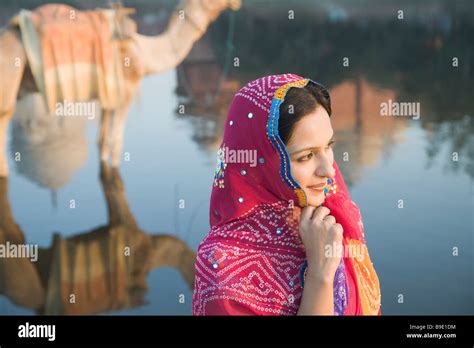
[330, 145]
[306, 157]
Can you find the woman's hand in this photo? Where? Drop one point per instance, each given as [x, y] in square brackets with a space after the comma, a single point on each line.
[320, 233]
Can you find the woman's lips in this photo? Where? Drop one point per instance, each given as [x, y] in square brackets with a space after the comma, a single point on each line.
[318, 188]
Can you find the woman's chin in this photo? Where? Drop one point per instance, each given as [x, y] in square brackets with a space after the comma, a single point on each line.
[316, 200]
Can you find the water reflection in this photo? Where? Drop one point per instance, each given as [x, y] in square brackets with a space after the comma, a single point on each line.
[95, 271]
[48, 149]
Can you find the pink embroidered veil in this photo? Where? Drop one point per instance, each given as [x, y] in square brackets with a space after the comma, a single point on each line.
[251, 261]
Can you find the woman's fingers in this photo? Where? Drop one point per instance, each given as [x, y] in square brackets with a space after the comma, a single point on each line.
[321, 213]
[330, 219]
[307, 213]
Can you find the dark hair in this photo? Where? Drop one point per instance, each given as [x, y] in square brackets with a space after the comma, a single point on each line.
[300, 101]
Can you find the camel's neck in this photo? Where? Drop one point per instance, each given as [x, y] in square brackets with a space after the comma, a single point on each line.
[168, 50]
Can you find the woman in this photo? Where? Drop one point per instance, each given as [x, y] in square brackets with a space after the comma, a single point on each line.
[285, 237]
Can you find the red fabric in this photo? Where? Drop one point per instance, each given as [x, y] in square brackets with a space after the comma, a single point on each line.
[228, 307]
[249, 263]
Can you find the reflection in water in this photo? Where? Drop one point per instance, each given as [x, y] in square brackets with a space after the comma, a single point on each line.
[95, 271]
[19, 277]
[363, 137]
[207, 93]
[459, 138]
[48, 149]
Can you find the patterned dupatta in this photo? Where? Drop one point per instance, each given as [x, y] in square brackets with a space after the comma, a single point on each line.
[252, 260]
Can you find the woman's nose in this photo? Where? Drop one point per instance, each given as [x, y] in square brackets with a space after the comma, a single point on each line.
[325, 168]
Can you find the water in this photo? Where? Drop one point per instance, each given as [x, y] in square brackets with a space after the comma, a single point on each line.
[168, 179]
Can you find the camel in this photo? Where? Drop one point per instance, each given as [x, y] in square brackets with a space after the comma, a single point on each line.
[147, 55]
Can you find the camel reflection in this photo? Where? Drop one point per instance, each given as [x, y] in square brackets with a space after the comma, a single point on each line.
[48, 149]
[101, 270]
[19, 278]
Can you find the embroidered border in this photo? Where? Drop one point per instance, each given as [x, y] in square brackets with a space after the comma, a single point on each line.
[272, 132]
[221, 165]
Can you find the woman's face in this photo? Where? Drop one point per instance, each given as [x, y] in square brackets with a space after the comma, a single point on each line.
[311, 155]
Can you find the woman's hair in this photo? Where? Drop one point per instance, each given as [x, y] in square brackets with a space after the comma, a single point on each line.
[300, 102]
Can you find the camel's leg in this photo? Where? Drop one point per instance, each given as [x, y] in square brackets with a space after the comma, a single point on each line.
[104, 136]
[117, 134]
[4, 122]
[19, 277]
[116, 198]
[114, 139]
[12, 67]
